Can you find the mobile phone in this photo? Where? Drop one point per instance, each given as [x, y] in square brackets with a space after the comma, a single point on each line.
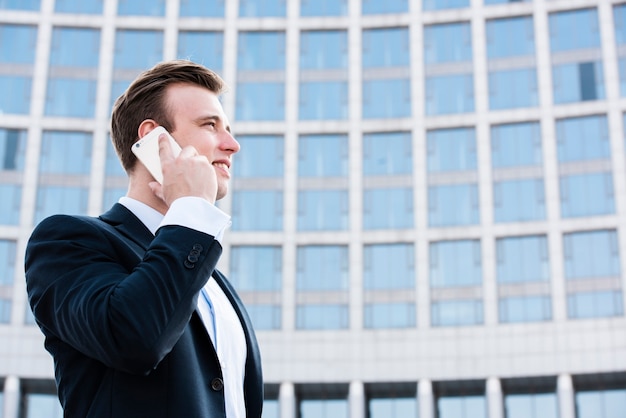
[147, 151]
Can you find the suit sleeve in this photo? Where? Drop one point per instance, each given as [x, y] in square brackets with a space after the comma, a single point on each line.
[88, 289]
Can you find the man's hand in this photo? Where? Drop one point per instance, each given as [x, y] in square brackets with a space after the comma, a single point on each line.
[189, 174]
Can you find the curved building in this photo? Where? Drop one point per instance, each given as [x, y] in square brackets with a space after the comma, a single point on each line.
[428, 209]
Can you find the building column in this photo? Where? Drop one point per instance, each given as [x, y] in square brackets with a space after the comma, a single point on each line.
[11, 397]
[356, 399]
[425, 399]
[287, 400]
[494, 398]
[565, 390]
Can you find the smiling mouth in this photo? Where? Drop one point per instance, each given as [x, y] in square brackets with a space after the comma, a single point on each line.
[222, 166]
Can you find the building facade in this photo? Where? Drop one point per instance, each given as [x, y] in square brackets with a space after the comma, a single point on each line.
[428, 209]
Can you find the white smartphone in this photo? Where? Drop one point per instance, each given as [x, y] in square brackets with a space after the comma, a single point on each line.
[147, 151]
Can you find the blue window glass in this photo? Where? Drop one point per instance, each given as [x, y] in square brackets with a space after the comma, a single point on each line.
[574, 29]
[456, 313]
[595, 304]
[12, 149]
[113, 166]
[388, 266]
[264, 317]
[389, 315]
[453, 204]
[513, 88]
[322, 49]
[392, 407]
[455, 263]
[323, 156]
[322, 267]
[524, 309]
[386, 48]
[320, 210]
[65, 153]
[619, 20]
[584, 138]
[323, 7]
[448, 94]
[257, 210]
[261, 51]
[71, 97]
[519, 200]
[202, 8]
[12, 155]
[592, 254]
[65, 43]
[516, 145]
[60, 199]
[137, 49]
[506, 1]
[19, 4]
[247, 261]
[600, 403]
[262, 8]
[78, 6]
[451, 149]
[622, 76]
[450, 42]
[11, 196]
[510, 37]
[268, 149]
[250, 95]
[112, 196]
[371, 7]
[17, 54]
[323, 100]
[141, 7]
[5, 311]
[389, 98]
[388, 153]
[461, 406]
[40, 405]
[587, 194]
[326, 316]
[444, 4]
[206, 48]
[522, 259]
[389, 208]
[579, 81]
[7, 261]
[335, 408]
[531, 405]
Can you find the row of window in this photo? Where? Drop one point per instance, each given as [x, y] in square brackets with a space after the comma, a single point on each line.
[247, 8]
[521, 398]
[577, 67]
[591, 268]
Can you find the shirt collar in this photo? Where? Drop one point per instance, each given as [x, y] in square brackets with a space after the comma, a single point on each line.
[150, 217]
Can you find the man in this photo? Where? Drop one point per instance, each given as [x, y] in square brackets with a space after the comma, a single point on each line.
[138, 320]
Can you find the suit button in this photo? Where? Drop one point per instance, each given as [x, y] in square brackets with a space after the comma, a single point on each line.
[189, 264]
[192, 258]
[197, 247]
[217, 384]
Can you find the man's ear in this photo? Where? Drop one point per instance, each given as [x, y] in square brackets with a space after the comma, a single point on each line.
[145, 127]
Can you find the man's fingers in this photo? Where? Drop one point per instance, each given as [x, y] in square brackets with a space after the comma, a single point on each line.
[165, 148]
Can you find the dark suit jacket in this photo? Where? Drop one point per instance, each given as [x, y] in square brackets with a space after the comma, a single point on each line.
[117, 307]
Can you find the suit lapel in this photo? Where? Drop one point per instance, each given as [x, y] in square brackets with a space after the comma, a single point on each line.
[127, 224]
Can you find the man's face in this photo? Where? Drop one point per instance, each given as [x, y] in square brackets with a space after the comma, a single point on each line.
[199, 121]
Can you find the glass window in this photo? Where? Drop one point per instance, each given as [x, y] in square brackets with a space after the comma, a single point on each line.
[622, 75]
[460, 312]
[371, 7]
[268, 149]
[583, 138]
[261, 51]
[323, 7]
[387, 153]
[450, 42]
[202, 8]
[531, 405]
[78, 6]
[515, 88]
[522, 259]
[389, 98]
[11, 196]
[247, 261]
[453, 204]
[17, 55]
[444, 4]
[137, 49]
[60, 199]
[524, 309]
[12, 154]
[320, 210]
[323, 49]
[7, 261]
[389, 315]
[587, 195]
[510, 37]
[506, 1]
[323, 156]
[141, 7]
[257, 210]
[579, 81]
[322, 316]
[386, 48]
[206, 48]
[455, 263]
[574, 29]
[249, 95]
[388, 208]
[461, 407]
[65, 153]
[42, 405]
[392, 407]
[262, 8]
[448, 94]
[19, 4]
[601, 403]
[388, 266]
[595, 304]
[316, 408]
[451, 149]
[619, 21]
[516, 144]
[323, 100]
[322, 267]
[591, 254]
[519, 200]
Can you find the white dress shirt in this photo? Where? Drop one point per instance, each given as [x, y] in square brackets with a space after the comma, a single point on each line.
[218, 315]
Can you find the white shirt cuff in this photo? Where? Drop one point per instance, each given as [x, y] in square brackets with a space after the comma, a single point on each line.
[197, 213]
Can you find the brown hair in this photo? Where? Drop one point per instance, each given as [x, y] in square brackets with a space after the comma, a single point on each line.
[144, 99]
